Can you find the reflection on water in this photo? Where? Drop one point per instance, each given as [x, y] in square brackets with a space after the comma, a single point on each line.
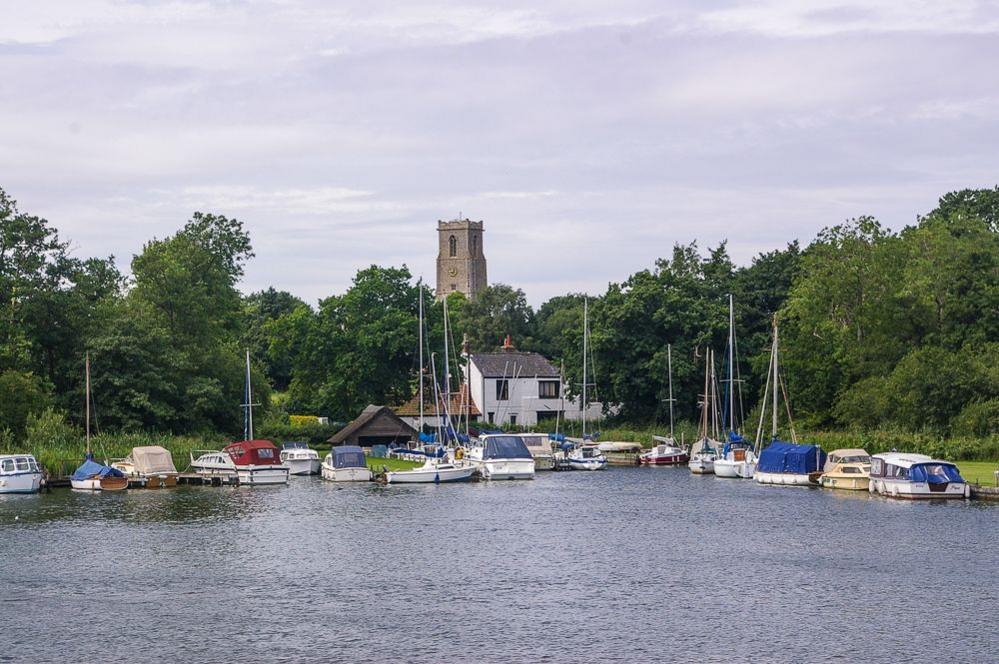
[629, 564]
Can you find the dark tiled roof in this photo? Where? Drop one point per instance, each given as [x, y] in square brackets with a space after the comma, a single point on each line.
[366, 417]
[513, 364]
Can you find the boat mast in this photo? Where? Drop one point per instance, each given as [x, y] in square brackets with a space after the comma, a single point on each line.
[731, 356]
[467, 392]
[775, 380]
[447, 373]
[704, 402]
[561, 394]
[586, 334]
[669, 364]
[87, 365]
[420, 372]
[248, 422]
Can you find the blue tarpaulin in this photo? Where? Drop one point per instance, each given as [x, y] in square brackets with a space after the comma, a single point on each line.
[781, 457]
[506, 447]
[349, 456]
[557, 437]
[428, 438]
[935, 473]
[91, 468]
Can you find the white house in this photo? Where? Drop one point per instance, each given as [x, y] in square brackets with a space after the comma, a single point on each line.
[515, 387]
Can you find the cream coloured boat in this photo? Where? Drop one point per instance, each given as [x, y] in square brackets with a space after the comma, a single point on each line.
[848, 469]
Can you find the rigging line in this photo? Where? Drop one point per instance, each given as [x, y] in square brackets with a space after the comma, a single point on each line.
[787, 406]
[738, 378]
[763, 407]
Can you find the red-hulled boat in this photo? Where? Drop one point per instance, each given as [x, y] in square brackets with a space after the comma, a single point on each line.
[666, 453]
[253, 462]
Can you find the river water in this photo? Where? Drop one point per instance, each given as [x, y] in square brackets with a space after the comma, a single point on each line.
[630, 564]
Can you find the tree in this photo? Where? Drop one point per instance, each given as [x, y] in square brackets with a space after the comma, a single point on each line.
[498, 310]
[261, 311]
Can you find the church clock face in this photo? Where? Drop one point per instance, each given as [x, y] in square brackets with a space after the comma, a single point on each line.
[452, 271]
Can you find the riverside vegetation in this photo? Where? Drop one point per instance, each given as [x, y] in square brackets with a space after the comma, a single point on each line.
[889, 338]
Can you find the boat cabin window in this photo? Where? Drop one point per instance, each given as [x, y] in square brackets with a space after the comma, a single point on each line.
[265, 453]
[22, 463]
[34, 464]
[8, 466]
[850, 470]
[877, 467]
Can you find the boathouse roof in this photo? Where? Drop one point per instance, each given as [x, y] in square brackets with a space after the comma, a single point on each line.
[376, 425]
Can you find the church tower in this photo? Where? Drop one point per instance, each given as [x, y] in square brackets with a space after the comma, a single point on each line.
[461, 265]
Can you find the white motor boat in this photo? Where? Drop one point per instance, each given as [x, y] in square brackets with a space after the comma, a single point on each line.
[586, 457]
[501, 457]
[300, 459]
[433, 471]
[541, 449]
[346, 463]
[916, 476]
[250, 462]
[19, 473]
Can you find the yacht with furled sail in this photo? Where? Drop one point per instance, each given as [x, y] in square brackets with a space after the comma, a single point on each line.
[737, 458]
[705, 450]
[91, 475]
[666, 452]
[250, 462]
[783, 463]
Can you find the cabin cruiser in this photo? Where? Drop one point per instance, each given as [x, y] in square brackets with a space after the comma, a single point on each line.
[737, 458]
[93, 476]
[501, 457]
[790, 464]
[916, 476]
[151, 466]
[586, 457]
[667, 453]
[252, 462]
[300, 459]
[19, 473]
[540, 446]
[847, 469]
[346, 463]
[702, 457]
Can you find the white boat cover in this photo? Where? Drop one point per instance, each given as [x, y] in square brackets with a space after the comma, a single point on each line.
[151, 460]
[615, 446]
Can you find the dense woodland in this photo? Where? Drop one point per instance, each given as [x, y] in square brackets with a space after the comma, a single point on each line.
[878, 328]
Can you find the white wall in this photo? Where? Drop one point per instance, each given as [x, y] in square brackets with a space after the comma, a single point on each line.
[524, 402]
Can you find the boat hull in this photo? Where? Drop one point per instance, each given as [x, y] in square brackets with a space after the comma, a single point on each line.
[544, 462]
[845, 483]
[587, 464]
[663, 460]
[726, 468]
[346, 474]
[302, 466]
[262, 475]
[507, 469]
[100, 484]
[783, 479]
[26, 482]
[919, 490]
[702, 465]
[430, 475]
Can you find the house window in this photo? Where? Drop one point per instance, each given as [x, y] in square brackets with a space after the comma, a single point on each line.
[489, 416]
[547, 415]
[548, 389]
[502, 390]
[513, 420]
[452, 244]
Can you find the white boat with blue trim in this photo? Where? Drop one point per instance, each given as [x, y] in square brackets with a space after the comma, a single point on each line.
[916, 476]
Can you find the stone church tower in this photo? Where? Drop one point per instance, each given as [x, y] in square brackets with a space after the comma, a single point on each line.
[461, 265]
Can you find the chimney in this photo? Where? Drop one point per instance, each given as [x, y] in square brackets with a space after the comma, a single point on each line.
[508, 343]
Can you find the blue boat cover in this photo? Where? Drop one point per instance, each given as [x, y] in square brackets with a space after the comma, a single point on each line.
[735, 441]
[379, 451]
[349, 456]
[781, 457]
[506, 447]
[936, 473]
[557, 437]
[91, 468]
[428, 438]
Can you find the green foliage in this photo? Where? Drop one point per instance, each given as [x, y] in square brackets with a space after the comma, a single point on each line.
[21, 396]
[498, 311]
[978, 419]
[49, 436]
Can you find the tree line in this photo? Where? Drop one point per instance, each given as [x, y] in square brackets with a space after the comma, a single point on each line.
[878, 328]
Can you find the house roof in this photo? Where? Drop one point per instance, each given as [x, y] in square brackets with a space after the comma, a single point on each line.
[513, 364]
[457, 406]
[367, 416]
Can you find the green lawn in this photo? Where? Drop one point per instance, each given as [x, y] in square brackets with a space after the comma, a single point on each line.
[979, 471]
[377, 464]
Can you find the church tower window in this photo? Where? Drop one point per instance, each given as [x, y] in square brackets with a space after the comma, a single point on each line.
[453, 246]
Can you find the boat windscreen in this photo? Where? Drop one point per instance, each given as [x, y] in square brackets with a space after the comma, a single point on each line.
[506, 447]
[348, 457]
[935, 473]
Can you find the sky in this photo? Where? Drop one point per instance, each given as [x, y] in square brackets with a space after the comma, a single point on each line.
[588, 136]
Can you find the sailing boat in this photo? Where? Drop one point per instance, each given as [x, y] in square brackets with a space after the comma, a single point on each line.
[782, 462]
[667, 452]
[251, 462]
[93, 476]
[737, 457]
[434, 470]
[704, 452]
[586, 455]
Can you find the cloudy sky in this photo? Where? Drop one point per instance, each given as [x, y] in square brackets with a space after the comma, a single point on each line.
[589, 136]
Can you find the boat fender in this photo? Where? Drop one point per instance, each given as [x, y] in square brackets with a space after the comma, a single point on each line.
[872, 486]
[967, 491]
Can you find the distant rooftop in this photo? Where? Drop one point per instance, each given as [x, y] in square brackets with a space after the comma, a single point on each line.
[513, 364]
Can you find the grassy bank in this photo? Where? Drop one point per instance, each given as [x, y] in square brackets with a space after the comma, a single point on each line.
[979, 472]
[378, 465]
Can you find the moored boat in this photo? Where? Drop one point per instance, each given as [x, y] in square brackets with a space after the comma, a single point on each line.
[916, 476]
[300, 458]
[704, 452]
[737, 458]
[433, 471]
[346, 463]
[586, 457]
[540, 446]
[19, 473]
[847, 469]
[91, 475]
[151, 466]
[501, 457]
[667, 453]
